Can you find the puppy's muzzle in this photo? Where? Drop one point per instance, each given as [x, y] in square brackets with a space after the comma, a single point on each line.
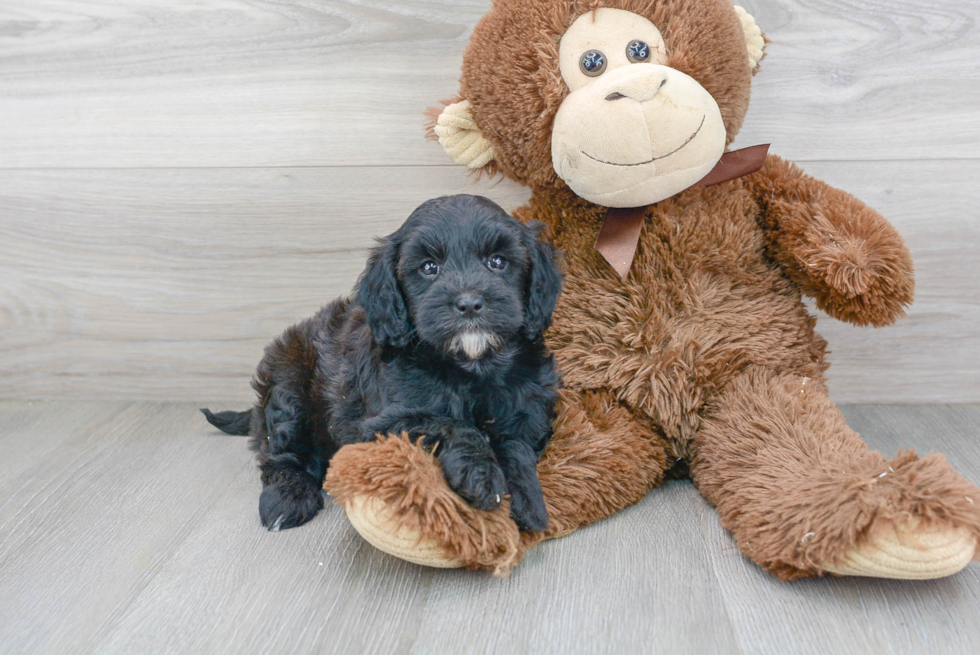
[474, 343]
[469, 305]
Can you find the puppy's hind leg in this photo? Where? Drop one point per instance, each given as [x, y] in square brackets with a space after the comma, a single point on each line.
[292, 469]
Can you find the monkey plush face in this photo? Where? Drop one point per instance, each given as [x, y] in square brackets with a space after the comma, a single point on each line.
[632, 131]
[627, 102]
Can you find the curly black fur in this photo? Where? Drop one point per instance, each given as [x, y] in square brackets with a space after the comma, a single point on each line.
[441, 339]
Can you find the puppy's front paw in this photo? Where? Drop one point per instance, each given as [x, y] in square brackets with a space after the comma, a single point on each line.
[289, 503]
[472, 472]
[528, 510]
[527, 506]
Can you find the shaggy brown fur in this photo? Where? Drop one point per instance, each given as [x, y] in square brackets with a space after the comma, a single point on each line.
[706, 351]
[834, 247]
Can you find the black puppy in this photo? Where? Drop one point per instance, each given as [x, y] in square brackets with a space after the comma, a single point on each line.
[442, 340]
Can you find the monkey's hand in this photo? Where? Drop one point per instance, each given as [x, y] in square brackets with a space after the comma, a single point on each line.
[837, 249]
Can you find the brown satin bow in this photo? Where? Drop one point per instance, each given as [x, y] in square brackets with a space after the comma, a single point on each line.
[620, 230]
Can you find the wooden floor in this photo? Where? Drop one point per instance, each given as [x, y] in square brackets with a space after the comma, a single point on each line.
[132, 528]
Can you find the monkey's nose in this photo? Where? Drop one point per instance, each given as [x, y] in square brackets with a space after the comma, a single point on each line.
[469, 305]
[638, 85]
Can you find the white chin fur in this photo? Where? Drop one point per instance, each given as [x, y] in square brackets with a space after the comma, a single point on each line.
[473, 344]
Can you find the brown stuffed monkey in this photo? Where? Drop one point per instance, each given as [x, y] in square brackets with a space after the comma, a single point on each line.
[681, 333]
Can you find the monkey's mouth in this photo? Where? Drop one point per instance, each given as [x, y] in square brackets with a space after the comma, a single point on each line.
[650, 161]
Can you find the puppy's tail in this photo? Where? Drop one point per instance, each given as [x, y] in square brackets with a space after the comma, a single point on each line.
[236, 423]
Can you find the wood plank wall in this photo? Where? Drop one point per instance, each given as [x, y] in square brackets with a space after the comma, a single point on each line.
[181, 179]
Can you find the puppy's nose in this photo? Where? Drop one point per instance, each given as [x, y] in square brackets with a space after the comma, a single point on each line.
[469, 305]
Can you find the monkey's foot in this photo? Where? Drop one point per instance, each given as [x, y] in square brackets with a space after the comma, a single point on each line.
[396, 497]
[379, 525]
[910, 551]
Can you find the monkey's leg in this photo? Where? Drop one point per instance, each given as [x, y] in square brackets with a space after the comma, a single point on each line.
[600, 460]
[803, 495]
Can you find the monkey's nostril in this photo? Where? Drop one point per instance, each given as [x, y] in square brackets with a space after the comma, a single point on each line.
[615, 96]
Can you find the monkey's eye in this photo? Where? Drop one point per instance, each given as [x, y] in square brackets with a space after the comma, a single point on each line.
[497, 263]
[637, 51]
[430, 269]
[593, 63]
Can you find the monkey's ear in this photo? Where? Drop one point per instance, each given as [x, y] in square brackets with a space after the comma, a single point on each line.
[461, 138]
[755, 41]
[379, 293]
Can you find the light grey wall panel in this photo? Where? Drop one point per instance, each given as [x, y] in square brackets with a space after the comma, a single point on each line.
[181, 180]
[118, 83]
[168, 283]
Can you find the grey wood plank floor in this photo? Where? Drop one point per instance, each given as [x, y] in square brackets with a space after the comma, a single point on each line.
[132, 528]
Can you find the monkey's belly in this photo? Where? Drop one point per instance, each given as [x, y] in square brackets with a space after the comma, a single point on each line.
[666, 353]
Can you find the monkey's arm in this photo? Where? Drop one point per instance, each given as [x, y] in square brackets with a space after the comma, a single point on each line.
[467, 460]
[837, 249]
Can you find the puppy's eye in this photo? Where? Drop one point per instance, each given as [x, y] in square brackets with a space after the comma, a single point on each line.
[592, 63]
[430, 269]
[497, 263]
[637, 51]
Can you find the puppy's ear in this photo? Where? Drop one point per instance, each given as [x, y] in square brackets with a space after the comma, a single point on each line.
[543, 282]
[379, 293]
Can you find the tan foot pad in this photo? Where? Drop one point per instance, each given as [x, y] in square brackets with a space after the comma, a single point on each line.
[907, 553]
[373, 520]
